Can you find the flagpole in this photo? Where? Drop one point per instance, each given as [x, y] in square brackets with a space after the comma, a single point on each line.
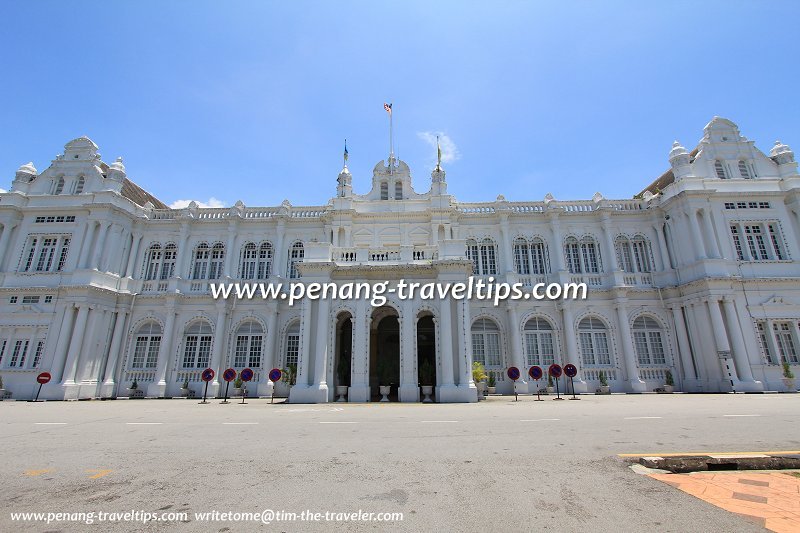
[391, 142]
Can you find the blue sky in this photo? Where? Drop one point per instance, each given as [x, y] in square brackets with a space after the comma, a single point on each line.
[252, 100]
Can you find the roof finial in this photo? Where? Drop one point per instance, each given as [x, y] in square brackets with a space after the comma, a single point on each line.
[438, 154]
[346, 155]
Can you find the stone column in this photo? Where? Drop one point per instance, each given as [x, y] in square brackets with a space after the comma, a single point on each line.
[517, 359]
[158, 388]
[62, 344]
[279, 260]
[305, 346]
[73, 352]
[557, 248]
[132, 257]
[113, 249]
[88, 351]
[321, 352]
[446, 386]
[571, 348]
[265, 386]
[697, 237]
[505, 244]
[5, 238]
[86, 245]
[409, 382]
[742, 362]
[100, 245]
[662, 245]
[114, 353]
[465, 361]
[710, 234]
[230, 249]
[730, 377]
[684, 349]
[218, 346]
[359, 377]
[628, 354]
[184, 253]
[608, 240]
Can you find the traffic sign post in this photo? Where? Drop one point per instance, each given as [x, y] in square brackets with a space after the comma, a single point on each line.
[571, 371]
[274, 376]
[514, 374]
[246, 375]
[207, 376]
[535, 372]
[555, 372]
[229, 375]
[42, 379]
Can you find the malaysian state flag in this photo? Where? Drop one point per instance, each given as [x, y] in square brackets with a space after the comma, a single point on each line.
[387, 107]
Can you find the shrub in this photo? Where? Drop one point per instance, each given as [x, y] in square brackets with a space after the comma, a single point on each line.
[478, 372]
[668, 378]
[602, 378]
[787, 371]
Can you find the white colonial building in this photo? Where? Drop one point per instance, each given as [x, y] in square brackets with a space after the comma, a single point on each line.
[101, 284]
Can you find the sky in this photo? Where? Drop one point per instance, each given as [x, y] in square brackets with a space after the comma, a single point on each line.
[235, 100]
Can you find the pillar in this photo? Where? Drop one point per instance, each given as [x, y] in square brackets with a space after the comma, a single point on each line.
[517, 359]
[158, 388]
[571, 347]
[86, 245]
[62, 344]
[444, 392]
[265, 386]
[409, 382]
[217, 348]
[137, 240]
[100, 245]
[730, 377]
[321, 352]
[684, 350]
[697, 237]
[359, 380]
[626, 341]
[107, 390]
[743, 369]
[73, 352]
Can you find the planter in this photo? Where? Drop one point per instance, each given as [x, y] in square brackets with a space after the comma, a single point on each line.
[492, 390]
[481, 389]
[237, 392]
[427, 390]
[790, 384]
[669, 389]
[135, 393]
[603, 389]
[384, 391]
[341, 392]
[5, 394]
[550, 390]
[184, 392]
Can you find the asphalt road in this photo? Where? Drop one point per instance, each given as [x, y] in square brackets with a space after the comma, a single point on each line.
[499, 465]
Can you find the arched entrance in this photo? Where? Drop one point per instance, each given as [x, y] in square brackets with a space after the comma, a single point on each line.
[384, 354]
[426, 351]
[344, 351]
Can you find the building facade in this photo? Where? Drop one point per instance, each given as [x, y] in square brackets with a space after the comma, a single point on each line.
[101, 284]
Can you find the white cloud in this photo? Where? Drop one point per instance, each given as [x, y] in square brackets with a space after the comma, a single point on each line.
[3, 190]
[212, 202]
[450, 151]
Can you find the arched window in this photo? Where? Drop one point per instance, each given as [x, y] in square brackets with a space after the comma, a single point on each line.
[486, 343]
[249, 345]
[249, 260]
[201, 255]
[168, 266]
[539, 342]
[719, 168]
[483, 256]
[530, 258]
[217, 261]
[593, 336]
[647, 339]
[582, 256]
[79, 185]
[146, 344]
[296, 254]
[153, 262]
[197, 345]
[292, 346]
[384, 190]
[59, 186]
[633, 255]
[398, 190]
[744, 171]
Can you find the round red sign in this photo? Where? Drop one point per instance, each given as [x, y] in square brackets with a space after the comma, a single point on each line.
[44, 377]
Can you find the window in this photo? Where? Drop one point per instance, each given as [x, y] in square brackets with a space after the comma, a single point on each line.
[648, 342]
[3, 345]
[719, 168]
[786, 341]
[582, 256]
[249, 343]
[46, 253]
[197, 345]
[747, 205]
[539, 342]
[293, 343]
[201, 256]
[593, 336]
[48, 299]
[79, 185]
[765, 344]
[57, 219]
[296, 254]
[12, 300]
[59, 188]
[153, 262]
[398, 190]
[37, 356]
[256, 261]
[758, 241]
[18, 354]
[146, 344]
[483, 256]
[530, 257]
[633, 255]
[384, 190]
[168, 265]
[30, 299]
[744, 171]
[486, 343]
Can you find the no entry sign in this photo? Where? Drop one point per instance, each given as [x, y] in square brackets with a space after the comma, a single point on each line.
[513, 373]
[208, 374]
[43, 378]
[275, 375]
[535, 372]
[555, 370]
[229, 375]
[246, 374]
[570, 370]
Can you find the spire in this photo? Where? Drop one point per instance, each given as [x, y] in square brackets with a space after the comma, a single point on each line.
[438, 154]
[388, 109]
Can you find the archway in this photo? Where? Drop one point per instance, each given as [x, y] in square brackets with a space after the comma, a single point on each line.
[426, 351]
[384, 356]
[344, 349]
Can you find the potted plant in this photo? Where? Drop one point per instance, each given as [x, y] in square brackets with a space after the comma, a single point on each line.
[492, 383]
[426, 378]
[237, 386]
[604, 388]
[669, 383]
[788, 378]
[342, 371]
[185, 389]
[479, 377]
[550, 387]
[385, 387]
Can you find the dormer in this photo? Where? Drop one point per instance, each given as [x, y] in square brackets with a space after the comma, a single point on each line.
[391, 181]
[724, 153]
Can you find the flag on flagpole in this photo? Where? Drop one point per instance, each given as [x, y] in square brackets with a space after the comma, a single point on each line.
[346, 154]
[438, 153]
[387, 107]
